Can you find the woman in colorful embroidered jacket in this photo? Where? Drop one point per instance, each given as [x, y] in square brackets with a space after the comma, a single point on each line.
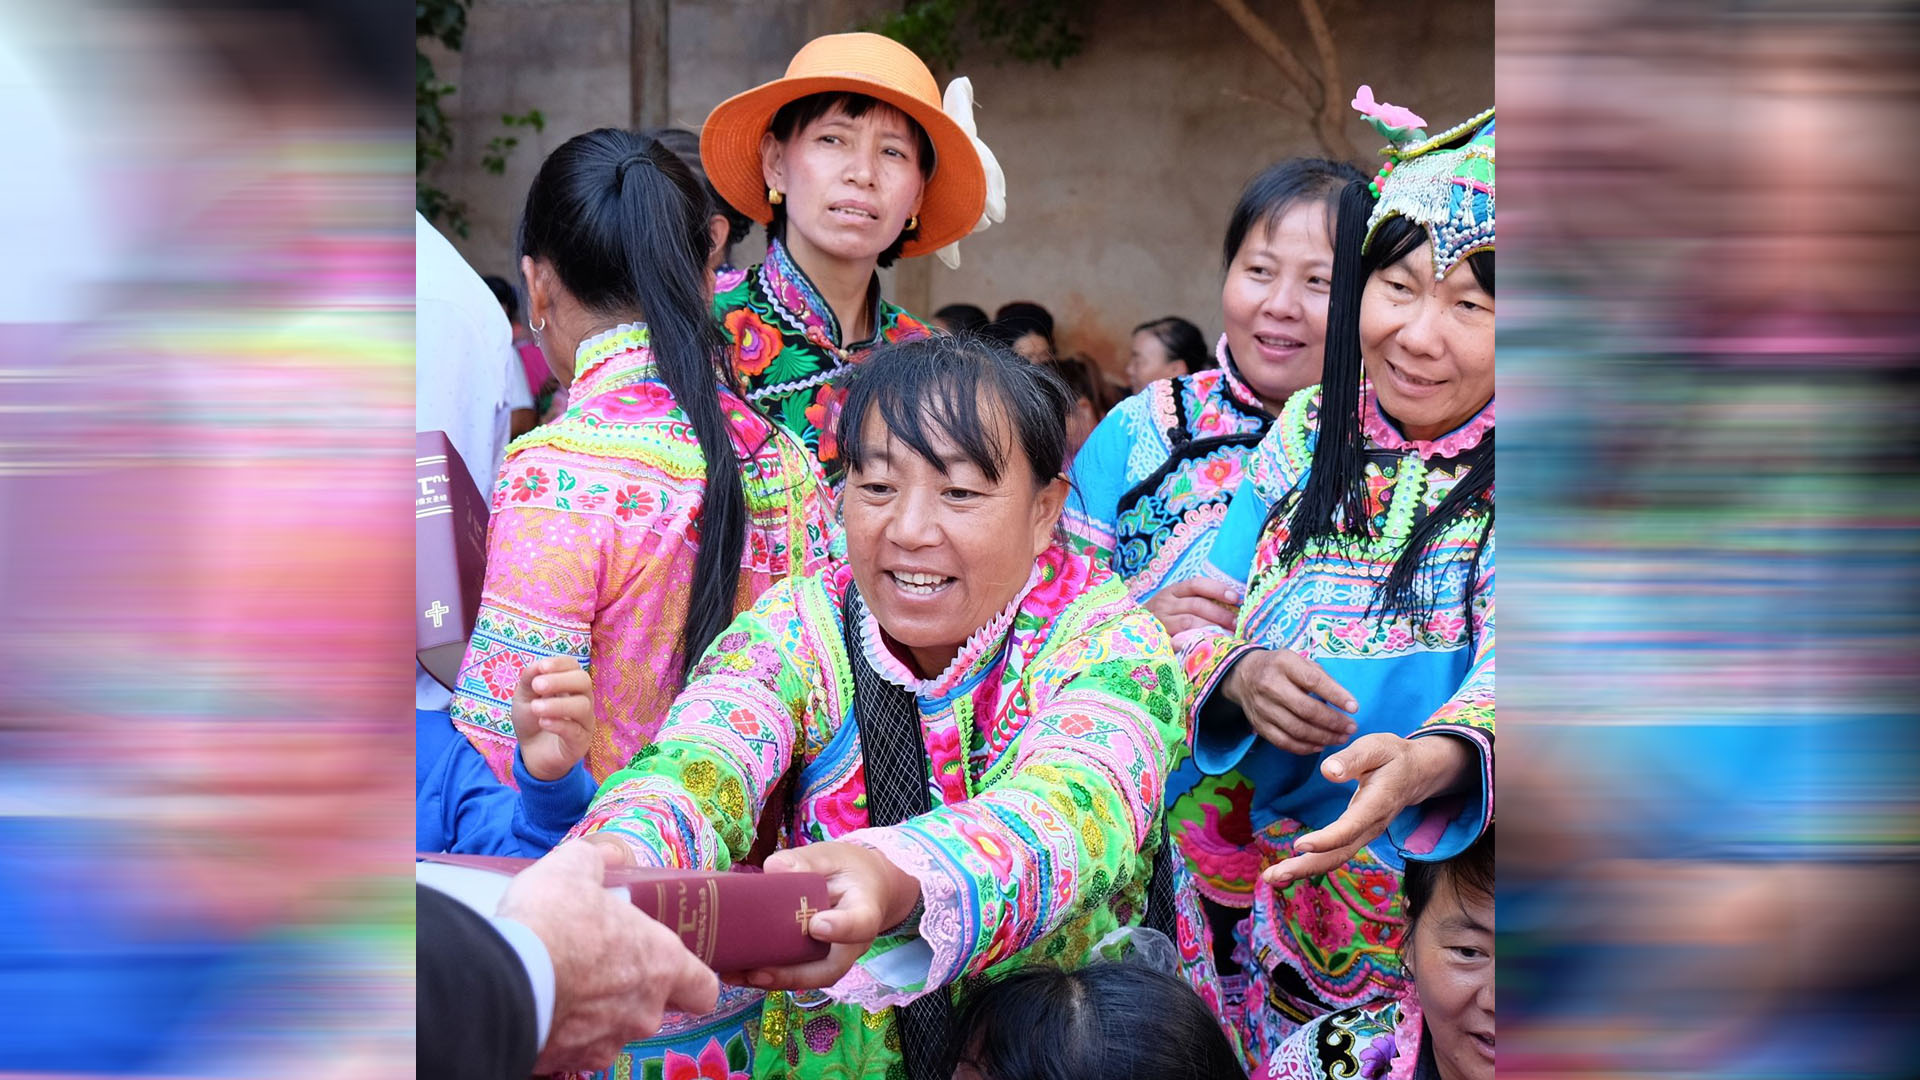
[1153, 482]
[1442, 1025]
[630, 532]
[979, 722]
[851, 162]
[1363, 535]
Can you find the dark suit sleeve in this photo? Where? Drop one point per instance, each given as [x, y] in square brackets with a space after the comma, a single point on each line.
[474, 1009]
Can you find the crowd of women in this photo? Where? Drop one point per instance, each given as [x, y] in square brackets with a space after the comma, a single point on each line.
[1170, 757]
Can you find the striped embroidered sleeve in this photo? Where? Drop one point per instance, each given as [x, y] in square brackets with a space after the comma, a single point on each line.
[1444, 829]
[538, 600]
[1057, 825]
[693, 797]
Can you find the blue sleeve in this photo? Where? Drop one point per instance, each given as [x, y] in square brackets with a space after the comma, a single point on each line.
[1232, 554]
[459, 805]
[1098, 478]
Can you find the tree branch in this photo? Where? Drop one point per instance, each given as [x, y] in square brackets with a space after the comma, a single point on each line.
[1274, 103]
[1323, 44]
[1268, 42]
[1330, 122]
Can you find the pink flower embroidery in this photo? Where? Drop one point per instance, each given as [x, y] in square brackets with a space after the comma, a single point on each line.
[710, 1065]
[1220, 473]
[531, 484]
[1391, 115]
[744, 722]
[641, 399]
[1076, 724]
[632, 501]
[1325, 923]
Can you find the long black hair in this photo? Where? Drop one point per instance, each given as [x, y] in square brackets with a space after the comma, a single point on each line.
[1115, 1021]
[686, 146]
[1333, 501]
[624, 224]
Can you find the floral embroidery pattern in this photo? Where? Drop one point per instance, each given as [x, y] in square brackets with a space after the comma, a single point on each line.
[785, 345]
[1047, 742]
[530, 484]
[755, 343]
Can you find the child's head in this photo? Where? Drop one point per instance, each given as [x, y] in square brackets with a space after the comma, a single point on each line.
[1449, 952]
[1112, 1021]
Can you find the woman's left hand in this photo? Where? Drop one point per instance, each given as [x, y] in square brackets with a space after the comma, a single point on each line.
[1394, 773]
[870, 895]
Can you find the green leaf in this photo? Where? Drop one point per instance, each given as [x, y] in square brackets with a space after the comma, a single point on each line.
[597, 489]
[736, 1054]
[562, 503]
[567, 481]
[652, 1070]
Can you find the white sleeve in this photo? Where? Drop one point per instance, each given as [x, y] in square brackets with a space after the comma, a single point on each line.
[518, 394]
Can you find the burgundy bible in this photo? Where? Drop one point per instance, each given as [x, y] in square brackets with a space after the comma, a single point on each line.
[449, 555]
[732, 921]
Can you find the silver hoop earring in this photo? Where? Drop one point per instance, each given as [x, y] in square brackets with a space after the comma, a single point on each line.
[537, 329]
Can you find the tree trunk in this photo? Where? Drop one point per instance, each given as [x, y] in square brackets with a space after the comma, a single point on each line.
[648, 50]
[1324, 93]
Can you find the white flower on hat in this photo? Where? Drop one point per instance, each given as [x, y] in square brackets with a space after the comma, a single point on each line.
[958, 104]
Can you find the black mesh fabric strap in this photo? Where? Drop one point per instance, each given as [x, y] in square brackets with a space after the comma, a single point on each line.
[894, 752]
[1160, 913]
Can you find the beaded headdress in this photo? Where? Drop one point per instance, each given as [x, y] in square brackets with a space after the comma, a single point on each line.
[1449, 191]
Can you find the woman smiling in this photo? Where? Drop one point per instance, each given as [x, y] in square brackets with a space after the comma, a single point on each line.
[1363, 536]
[978, 720]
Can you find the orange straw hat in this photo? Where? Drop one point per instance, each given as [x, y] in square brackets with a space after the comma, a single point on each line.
[869, 64]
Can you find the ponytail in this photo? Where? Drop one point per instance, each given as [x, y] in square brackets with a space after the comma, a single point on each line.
[624, 224]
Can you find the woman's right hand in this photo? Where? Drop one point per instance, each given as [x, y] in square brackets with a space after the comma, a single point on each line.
[1281, 694]
[1195, 602]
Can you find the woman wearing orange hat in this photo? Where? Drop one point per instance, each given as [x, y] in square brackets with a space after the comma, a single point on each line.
[851, 160]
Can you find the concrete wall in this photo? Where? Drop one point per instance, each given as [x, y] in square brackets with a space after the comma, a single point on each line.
[1122, 165]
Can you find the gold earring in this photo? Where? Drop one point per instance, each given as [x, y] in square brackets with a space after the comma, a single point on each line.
[913, 222]
[775, 197]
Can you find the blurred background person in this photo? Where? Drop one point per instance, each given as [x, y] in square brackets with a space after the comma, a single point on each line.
[961, 318]
[1026, 328]
[1165, 348]
[1082, 377]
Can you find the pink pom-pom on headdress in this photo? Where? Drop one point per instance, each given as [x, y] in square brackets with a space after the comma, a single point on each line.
[1391, 115]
